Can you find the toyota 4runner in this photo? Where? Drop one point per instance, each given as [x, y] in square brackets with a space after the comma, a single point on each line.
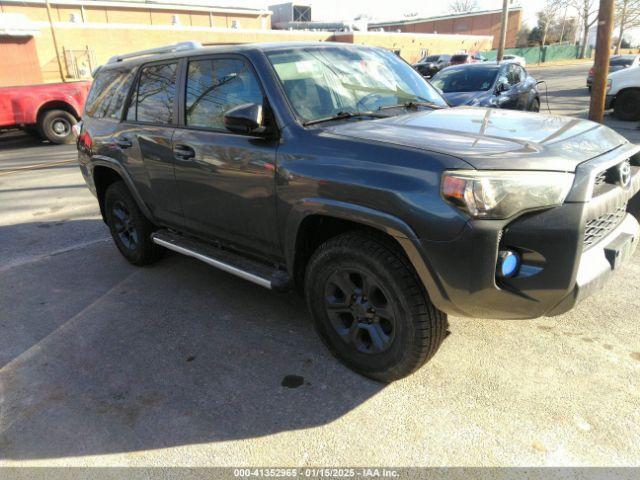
[338, 171]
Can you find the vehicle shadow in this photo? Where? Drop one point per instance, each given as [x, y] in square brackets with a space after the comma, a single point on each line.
[19, 139]
[101, 357]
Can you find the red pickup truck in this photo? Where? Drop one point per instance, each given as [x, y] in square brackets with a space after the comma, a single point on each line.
[49, 110]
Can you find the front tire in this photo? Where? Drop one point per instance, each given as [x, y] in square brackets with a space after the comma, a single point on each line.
[535, 105]
[130, 229]
[370, 308]
[56, 126]
[627, 105]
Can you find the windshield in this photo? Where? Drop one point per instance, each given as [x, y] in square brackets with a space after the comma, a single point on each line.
[431, 58]
[326, 81]
[465, 79]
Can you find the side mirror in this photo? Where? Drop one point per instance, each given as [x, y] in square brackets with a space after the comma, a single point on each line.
[502, 86]
[245, 118]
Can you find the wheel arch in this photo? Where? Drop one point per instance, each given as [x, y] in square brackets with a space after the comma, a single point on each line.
[104, 172]
[313, 221]
[56, 105]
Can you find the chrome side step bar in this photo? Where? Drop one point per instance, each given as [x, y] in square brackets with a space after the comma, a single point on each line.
[224, 260]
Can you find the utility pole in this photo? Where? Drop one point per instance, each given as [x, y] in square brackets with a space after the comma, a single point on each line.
[503, 29]
[601, 64]
[55, 42]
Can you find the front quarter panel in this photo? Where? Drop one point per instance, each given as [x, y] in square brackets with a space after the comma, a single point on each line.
[399, 183]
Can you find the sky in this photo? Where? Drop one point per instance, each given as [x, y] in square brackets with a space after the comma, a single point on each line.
[335, 10]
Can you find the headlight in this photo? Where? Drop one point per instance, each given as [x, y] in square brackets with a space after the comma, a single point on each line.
[608, 85]
[502, 194]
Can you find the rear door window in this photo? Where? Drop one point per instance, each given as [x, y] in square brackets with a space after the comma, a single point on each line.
[108, 93]
[214, 86]
[153, 100]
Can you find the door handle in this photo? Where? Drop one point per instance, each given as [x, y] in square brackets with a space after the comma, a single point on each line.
[124, 142]
[183, 152]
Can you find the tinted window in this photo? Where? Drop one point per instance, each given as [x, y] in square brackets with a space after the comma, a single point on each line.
[432, 58]
[153, 100]
[621, 61]
[108, 93]
[467, 79]
[459, 58]
[215, 86]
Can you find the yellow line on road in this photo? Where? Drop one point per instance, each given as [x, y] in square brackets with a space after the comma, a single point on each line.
[35, 166]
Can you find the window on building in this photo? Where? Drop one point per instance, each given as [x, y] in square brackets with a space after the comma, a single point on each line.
[108, 93]
[153, 100]
[214, 87]
[301, 13]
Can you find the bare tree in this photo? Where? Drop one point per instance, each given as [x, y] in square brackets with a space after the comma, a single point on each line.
[587, 11]
[548, 16]
[627, 17]
[463, 6]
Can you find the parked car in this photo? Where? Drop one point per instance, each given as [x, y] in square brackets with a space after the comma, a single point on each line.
[617, 62]
[336, 170]
[466, 58]
[515, 58]
[49, 110]
[489, 84]
[432, 64]
[623, 94]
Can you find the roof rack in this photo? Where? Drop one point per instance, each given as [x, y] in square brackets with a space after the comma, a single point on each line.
[176, 47]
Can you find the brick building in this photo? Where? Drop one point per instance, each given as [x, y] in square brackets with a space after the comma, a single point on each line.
[474, 23]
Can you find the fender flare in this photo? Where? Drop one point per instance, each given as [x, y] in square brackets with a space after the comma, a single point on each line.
[122, 172]
[369, 217]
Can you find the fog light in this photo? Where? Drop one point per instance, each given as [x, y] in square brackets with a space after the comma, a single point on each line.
[508, 263]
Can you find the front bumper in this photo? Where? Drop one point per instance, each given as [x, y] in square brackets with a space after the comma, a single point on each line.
[559, 267]
[599, 262]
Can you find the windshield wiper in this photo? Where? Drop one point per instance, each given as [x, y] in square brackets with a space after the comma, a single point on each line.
[412, 105]
[345, 115]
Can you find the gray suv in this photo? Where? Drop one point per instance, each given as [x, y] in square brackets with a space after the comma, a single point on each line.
[338, 171]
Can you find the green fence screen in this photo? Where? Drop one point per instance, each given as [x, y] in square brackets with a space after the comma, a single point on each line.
[548, 53]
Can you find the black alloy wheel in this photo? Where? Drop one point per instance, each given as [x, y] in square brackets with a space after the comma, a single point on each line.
[360, 310]
[130, 229]
[124, 225]
[369, 306]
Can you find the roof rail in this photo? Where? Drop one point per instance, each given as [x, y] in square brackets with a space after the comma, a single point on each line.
[176, 47]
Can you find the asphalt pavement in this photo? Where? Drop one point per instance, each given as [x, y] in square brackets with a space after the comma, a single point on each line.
[102, 363]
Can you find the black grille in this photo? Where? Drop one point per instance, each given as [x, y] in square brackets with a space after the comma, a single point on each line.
[598, 228]
[607, 179]
[600, 179]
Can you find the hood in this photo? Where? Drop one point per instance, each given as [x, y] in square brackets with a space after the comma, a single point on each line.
[455, 99]
[490, 138]
[630, 72]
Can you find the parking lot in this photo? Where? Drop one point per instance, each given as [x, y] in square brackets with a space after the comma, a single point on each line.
[102, 363]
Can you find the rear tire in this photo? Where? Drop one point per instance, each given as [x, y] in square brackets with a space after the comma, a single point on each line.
[370, 308]
[130, 229]
[627, 105]
[56, 126]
